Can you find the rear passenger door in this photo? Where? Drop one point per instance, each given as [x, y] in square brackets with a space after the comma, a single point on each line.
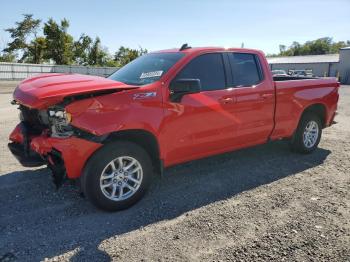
[253, 99]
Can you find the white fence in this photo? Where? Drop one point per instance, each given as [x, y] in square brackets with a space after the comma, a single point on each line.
[16, 71]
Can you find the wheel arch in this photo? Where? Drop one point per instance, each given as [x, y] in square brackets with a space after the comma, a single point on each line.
[319, 109]
[143, 138]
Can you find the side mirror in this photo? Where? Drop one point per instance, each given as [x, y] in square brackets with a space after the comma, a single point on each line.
[181, 87]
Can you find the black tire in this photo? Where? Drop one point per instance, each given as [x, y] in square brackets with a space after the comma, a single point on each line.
[90, 180]
[297, 142]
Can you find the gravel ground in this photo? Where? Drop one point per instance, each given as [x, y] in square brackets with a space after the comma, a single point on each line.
[262, 204]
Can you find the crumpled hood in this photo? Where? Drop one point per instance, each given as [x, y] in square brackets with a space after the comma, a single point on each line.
[44, 90]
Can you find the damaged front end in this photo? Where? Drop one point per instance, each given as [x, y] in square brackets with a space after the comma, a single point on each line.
[36, 123]
[55, 163]
[44, 137]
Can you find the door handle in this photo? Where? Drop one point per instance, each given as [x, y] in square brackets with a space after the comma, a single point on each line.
[265, 96]
[226, 101]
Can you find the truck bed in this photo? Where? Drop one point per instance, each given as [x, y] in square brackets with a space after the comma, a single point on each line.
[304, 82]
[293, 94]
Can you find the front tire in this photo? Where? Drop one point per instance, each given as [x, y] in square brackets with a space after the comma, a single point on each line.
[117, 176]
[308, 134]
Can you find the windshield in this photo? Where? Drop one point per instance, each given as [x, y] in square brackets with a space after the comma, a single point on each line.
[146, 69]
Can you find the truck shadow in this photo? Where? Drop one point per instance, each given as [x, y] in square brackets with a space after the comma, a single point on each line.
[38, 220]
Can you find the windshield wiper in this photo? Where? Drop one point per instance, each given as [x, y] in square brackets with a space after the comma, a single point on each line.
[133, 83]
[128, 83]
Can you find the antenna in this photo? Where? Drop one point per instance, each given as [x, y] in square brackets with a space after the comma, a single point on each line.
[184, 47]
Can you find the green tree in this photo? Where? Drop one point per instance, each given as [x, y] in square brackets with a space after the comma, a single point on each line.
[111, 62]
[125, 55]
[36, 51]
[59, 43]
[7, 57]
[21, 35]
[91, 52]
[81, 49]
[336, 46]
[59, 46]
[282, 48]
[319, 46]
[97, 55]
[296, 48]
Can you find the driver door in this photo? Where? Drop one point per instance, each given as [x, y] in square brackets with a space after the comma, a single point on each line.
[201, 123]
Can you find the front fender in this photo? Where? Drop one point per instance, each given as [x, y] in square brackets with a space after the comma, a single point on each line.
[116, 112]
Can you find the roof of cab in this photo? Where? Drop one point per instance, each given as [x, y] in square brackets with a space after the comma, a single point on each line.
[207, 49]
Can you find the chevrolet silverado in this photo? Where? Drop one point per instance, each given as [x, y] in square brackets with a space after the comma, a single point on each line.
[164, 108]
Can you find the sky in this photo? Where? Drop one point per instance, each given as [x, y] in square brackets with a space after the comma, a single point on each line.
[164, 24]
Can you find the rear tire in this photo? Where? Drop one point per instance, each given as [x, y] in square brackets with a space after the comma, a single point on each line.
[117, 176]
[308, 134]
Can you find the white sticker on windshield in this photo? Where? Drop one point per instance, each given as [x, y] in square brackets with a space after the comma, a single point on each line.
[151, 74]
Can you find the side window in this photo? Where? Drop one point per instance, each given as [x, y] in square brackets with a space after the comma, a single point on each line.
[209, 69]
[246, 69]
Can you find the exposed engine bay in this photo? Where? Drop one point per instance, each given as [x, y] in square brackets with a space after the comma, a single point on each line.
[55, 120]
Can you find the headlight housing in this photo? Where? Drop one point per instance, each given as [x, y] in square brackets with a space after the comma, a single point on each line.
[60, 114]
[60, 122]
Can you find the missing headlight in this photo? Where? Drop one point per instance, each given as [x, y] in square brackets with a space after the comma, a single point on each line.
[60, 120]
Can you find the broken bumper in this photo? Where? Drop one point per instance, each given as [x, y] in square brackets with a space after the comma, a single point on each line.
[67, 155]
[26, 158]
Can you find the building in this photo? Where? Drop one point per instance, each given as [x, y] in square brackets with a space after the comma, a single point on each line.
[337, 65]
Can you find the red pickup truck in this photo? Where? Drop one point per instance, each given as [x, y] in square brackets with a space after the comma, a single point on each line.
[112, 134]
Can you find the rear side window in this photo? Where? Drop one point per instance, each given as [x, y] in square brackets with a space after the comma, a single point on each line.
[209, 69]
[246, 69]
